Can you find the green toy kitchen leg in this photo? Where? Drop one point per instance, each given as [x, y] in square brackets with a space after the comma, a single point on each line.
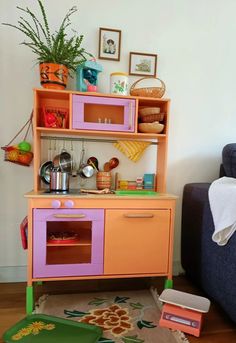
[168, 283]
[29, 299]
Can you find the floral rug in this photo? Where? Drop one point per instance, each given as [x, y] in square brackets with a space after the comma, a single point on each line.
[125, 317]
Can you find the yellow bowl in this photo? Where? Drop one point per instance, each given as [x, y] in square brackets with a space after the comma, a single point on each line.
[154, 127]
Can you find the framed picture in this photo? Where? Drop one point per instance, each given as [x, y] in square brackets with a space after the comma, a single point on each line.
[142, 64]
[109, 44]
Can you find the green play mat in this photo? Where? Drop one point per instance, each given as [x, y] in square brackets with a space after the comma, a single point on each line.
[41, 328]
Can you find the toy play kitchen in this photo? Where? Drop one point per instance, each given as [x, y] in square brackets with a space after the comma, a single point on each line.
[102, 235]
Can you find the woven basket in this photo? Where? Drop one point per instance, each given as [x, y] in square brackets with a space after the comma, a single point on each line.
[151, 92]
[149, 118]
[15, 155]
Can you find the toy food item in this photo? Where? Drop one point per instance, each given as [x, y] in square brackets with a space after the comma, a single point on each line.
[62, 237]
[24, 158]
[24, 146]
[51, 119]
[13, 155]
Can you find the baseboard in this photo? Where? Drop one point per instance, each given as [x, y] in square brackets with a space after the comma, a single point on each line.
[19, 273]
[13, 274]
[177, 268]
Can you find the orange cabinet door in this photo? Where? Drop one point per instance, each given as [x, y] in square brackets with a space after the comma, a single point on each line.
[136, 241]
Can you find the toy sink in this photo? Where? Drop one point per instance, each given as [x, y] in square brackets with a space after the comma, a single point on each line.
[135, 192]
[38, 328]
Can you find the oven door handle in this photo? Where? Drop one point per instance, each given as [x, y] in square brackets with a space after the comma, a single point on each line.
[69, 215]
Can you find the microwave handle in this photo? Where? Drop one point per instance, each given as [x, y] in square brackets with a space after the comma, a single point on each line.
[69, 215]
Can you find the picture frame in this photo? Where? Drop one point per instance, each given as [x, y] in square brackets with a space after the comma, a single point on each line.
[142, 64]
[109, 44]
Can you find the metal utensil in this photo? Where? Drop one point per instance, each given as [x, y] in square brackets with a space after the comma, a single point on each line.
[85, 170]
[59, 181]
[63, 161]
[45, 170]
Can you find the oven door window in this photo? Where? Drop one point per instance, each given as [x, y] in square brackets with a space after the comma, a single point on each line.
[69, 242]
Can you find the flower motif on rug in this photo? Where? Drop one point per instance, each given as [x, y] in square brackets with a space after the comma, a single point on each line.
[113, 318]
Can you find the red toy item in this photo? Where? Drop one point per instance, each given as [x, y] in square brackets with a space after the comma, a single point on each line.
[24, 232]
[55, 117]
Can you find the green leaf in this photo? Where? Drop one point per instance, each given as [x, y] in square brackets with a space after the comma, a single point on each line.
[132, 339]
[105, 340]
[98, 301]
[73, 314]
[120, 300]
[145, 324]
[136, 305]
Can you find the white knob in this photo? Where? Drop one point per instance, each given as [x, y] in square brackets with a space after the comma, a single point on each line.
[69, 203]
[56, 204]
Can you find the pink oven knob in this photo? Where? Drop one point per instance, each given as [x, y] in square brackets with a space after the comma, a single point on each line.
[56, 204]
[69, 203]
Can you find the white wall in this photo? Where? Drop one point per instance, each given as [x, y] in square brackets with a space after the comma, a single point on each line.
[195, 42]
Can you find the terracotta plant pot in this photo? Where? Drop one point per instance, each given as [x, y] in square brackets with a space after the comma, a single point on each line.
[53, 76]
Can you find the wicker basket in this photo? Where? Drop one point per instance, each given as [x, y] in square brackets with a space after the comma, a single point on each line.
[151, 92]
[15, 155]
[152, 117]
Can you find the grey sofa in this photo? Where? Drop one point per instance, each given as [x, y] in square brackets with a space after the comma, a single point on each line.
[210, 266]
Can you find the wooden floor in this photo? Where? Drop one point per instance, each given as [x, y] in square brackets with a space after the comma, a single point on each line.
[217, 326]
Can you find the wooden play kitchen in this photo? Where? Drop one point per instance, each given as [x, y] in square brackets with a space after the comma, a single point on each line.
[76, 236]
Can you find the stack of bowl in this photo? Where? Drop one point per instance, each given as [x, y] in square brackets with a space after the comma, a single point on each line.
[150, 118]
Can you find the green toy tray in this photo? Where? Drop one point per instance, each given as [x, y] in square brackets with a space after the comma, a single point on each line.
[135, 192]
[41, 328]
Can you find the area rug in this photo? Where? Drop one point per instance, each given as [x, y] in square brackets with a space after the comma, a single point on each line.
[125, 317]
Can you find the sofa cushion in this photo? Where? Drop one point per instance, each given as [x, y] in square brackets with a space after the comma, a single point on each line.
[229, 159]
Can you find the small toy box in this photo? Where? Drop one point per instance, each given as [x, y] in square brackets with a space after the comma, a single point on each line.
[183, 311]
[41, 328]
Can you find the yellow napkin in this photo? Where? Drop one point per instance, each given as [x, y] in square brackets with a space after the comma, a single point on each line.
[132, 149]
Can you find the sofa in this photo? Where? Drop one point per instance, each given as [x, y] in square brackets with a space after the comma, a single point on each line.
[210, 266]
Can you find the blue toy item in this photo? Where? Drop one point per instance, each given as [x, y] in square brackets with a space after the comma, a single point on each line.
[86, 76]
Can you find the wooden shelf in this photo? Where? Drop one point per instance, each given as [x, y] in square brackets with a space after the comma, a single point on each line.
[68, 244]
[143, 136]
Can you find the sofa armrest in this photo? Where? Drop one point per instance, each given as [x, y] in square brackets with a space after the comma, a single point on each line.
[212, 267]
[196, 215]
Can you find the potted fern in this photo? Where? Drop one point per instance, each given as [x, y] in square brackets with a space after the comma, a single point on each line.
[58, 55]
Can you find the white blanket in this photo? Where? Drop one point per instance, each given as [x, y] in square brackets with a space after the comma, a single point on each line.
[222, 198]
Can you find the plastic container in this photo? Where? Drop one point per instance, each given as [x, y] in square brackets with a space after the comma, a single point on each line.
[119, 83]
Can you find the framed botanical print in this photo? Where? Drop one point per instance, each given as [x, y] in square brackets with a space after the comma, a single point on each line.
[109, 44]
[142, 64]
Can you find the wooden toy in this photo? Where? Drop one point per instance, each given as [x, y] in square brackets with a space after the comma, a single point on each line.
[86, 76]
[183, 311]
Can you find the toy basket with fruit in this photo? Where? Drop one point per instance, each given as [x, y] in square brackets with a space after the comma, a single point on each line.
[20, 153]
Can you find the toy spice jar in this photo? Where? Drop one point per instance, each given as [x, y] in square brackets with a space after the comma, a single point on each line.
[103, 180]
[119, 83]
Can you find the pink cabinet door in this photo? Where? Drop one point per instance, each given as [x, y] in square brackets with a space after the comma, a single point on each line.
[67, 242]
[103, 113]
